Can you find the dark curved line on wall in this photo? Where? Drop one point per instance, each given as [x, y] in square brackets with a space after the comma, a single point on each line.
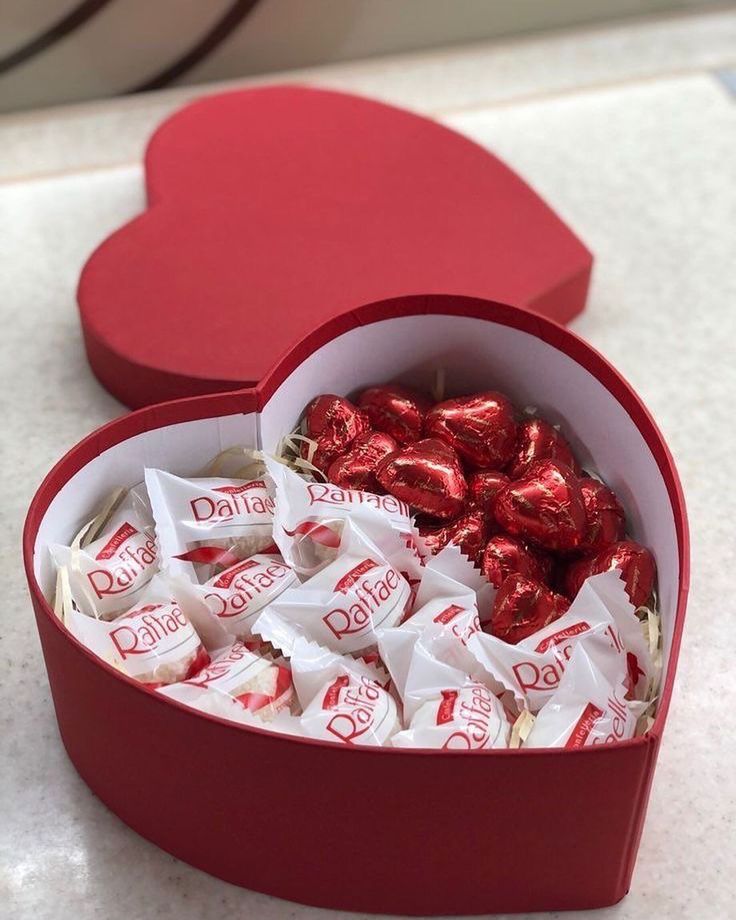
[67, 24]
[209, 41]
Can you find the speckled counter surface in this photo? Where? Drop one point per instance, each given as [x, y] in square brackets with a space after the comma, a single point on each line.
[630, 133]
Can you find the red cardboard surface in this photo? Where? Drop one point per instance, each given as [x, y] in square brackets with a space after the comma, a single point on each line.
[273, 210]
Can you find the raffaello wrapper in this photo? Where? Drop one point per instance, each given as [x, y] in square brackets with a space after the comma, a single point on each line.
[309, 517]
[446, 609]
[207, 525]
[154, 642]
[586, 709]
[343, 700]
[345, 603]
[446, 709]
[109, 573]
[234, 598]
[237, 676]
[601, 617]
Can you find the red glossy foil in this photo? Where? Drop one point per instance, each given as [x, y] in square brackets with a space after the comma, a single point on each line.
[522, 606]
[605, 522]
[356, 469]
[469, 532]
[545, 506]
[481, 428]
[504, 556]
[395, 410]
[334, 423]
[538, 440]
[426, 475]
[483, 487]
[634, 561]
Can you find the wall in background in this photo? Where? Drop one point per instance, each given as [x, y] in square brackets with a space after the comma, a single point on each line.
[56, 51]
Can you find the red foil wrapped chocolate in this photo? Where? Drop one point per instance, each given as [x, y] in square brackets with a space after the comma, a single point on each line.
[356, 469]
[634, 561]
[538, 440]
[504, 556]
[483, 487]
[427, 475]
[469, 532]
[545, 506]
[522, 606]
[334, 423]
[605, 522]
[481, 428]
[395, 410]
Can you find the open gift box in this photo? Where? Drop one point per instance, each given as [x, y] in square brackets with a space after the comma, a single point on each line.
[385, 830]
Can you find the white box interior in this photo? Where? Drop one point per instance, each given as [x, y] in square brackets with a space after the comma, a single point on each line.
[474, 354]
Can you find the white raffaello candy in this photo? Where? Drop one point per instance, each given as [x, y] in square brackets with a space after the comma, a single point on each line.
[345, 603]
[601, 616]
[343, 700]
[586, 709]
[234, 598]
[237, 677]
[154, 642]
[109, 574]
[309, 517]
[206, 525]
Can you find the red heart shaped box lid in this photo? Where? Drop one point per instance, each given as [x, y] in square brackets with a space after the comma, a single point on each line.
[273, 210]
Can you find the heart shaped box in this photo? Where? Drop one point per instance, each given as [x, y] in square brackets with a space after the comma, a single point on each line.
[368, 829]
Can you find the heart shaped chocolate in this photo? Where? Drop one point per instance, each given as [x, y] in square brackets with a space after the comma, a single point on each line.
[523, 606]
[427, 475]
[333, 422]
[545, 506]
[396, 410]
[356, 469]
[634, 561]
[481, 428]
[504, 556]
[483, 487]
[469, 532]
[605, 521]
[538, 440]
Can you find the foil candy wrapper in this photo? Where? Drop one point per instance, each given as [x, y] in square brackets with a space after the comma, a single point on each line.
[356, 469]
[588, 708]
[111, 562]
[396, 411]
[538, 440]
[545, 506]
[428, 476]
[481, 428]
[332, 423]
[206, 525]
[522, 607]
[469, 532]
[601, 616]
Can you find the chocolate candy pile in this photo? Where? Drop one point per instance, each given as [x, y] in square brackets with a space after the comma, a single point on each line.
[449, 579]
[504, 487]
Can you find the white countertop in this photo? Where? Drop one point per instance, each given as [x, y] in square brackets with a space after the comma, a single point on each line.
[627, 131]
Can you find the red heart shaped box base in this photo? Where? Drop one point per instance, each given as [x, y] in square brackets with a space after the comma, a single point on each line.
[372, 829]
[273, 210]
